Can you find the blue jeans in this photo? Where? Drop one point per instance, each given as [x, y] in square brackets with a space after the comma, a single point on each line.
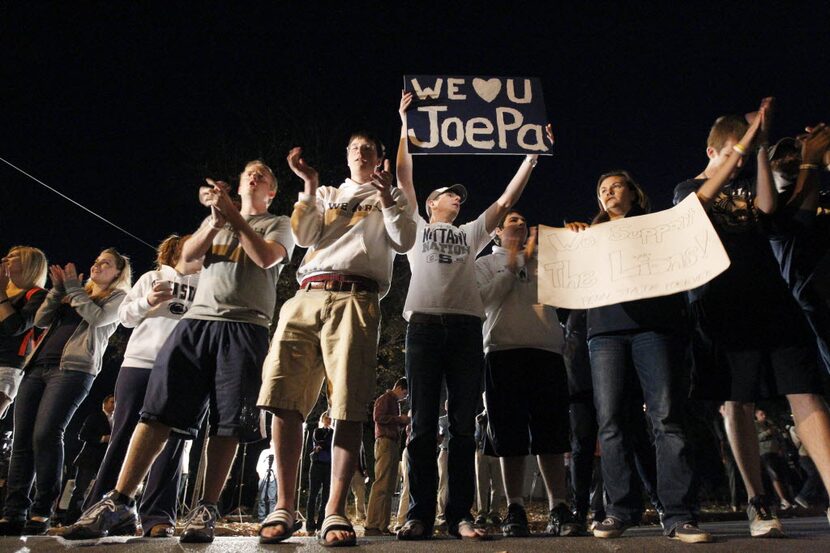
[657, 359]
[453, 352]
[46, 401]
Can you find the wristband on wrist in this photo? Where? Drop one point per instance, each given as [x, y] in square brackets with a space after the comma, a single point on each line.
[740, 149]
[808, 166]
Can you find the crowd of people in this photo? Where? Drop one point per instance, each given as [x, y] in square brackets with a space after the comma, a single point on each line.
[613, 379]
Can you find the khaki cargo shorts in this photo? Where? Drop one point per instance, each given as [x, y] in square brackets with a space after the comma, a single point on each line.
[323, 337]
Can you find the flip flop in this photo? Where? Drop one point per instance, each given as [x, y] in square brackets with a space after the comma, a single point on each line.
[280, 517]
[413, 530]
[333, 523]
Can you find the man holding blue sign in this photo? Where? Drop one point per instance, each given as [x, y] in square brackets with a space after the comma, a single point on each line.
[444, 341]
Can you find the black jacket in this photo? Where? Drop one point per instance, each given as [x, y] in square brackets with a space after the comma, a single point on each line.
[95, 427]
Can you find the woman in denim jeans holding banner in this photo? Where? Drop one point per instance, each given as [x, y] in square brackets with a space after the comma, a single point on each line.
[646, 337]
[58, 375]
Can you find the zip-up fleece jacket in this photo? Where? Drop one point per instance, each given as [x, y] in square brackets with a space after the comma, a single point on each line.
[84, 351]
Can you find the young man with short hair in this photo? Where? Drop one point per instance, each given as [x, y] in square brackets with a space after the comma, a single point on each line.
[753, 333]
[525, 382]
[388, 424]
[328, 332]
[444, 342]
[212, 360]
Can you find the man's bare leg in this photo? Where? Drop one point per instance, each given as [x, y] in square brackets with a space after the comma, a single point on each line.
[552, 467]
[221, 451]
[513, 475]
[812, 422]
[345, 448]
[778, 487]
[147, 442]
[739, 421]
[287, 433]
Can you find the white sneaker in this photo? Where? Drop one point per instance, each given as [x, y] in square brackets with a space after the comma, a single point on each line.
[762, 522]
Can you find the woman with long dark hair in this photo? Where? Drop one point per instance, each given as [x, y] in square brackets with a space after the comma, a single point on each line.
[79, 320]
[640, 342]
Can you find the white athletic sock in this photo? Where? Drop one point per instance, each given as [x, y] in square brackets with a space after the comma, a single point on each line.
[517, 500]
[553, 502]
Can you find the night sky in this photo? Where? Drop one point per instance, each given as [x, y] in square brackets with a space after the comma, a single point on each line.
[126, 107]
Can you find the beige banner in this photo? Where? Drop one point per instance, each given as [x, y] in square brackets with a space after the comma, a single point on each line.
[630, 259]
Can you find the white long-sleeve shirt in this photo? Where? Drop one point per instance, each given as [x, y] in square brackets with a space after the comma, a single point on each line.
[154, 324]
[347, 231]
[515, 319]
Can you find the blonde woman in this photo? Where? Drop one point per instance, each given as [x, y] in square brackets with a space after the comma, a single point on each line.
[152, 308]
[22, 277]
[79, 320]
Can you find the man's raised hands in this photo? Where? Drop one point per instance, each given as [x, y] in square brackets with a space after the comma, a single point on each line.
[382, 181]
[300, 168]
[814, 146]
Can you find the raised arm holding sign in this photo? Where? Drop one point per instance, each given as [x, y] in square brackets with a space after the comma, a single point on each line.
[497, 209]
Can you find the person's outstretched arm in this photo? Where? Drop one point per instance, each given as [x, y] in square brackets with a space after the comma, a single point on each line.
[403, 167]
[710, 189]
[514, 189]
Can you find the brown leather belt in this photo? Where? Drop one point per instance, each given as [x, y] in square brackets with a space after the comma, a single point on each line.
[442, 319]
[336, 282]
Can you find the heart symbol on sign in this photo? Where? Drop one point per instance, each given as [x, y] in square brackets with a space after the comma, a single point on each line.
[487, 89]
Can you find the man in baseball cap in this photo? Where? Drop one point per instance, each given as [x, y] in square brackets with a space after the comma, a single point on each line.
[444, 342]
[457, 189]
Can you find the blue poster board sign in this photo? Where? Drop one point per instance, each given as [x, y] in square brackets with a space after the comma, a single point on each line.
[476, 115]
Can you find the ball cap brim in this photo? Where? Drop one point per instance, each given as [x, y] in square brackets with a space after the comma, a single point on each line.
[457, 188]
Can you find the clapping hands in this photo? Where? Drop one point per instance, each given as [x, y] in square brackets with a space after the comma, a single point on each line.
[382, 181]
[300, 168]
[815, 144]
[63, 276]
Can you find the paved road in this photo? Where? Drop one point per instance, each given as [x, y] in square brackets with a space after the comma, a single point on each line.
[807, 535]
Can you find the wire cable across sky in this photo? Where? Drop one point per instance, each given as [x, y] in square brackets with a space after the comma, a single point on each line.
[64, 196]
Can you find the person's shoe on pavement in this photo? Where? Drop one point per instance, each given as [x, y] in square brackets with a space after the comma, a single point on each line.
[114, 515]
[688, 532]
[762, 521]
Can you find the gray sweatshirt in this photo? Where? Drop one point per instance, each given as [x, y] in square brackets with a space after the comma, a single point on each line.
[84, 351]
[515, 318]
